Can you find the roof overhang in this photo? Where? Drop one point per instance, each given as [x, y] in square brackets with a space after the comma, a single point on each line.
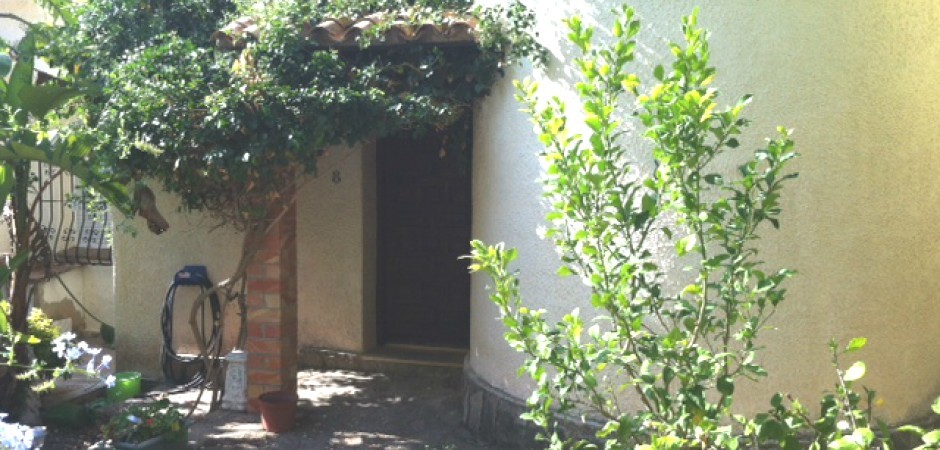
[346, 33]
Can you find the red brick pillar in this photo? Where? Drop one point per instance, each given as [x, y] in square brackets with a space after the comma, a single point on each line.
[272, 312]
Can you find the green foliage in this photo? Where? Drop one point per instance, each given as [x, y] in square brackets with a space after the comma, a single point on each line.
[227, 130]
[656, 364]
[845, 421]
[138, 423]
[40, 337]
[32, 129]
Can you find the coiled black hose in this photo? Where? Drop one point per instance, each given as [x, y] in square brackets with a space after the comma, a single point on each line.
[190, 370]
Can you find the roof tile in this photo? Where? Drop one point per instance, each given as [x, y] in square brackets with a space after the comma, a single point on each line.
[344, 32]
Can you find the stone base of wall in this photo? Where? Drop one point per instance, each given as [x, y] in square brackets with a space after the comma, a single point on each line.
[493, 416]
[377, 361]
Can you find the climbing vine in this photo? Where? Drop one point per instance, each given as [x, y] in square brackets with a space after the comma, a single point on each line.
[230, 127]
[227, 130]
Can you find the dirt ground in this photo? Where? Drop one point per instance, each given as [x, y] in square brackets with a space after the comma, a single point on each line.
[420, 409]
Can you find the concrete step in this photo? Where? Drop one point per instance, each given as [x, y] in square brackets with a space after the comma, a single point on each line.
[391, 357]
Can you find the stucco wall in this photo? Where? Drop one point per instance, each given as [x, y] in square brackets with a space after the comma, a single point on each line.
[11, 29]
[144, 268]
[94, 288]
[335, 251]
[335, 290]
[857, 81]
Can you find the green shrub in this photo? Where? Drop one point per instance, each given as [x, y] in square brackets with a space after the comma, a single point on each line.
[42, 333]
[679, 352]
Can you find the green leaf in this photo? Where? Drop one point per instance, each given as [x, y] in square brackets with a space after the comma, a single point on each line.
[713, 178]
[33, 340]
[564, 271]
[6, 181]
[857, 371]
[856, 344]
[659, 73]
[864, 437]
[936, 406]
[6, 63]
[39, 100]
[777, 400]
[912, 429]
[648, 203]
[726, 385]
[770, 430]
[844, 443]
[692, 289]
[22, 74]
[932, 438]
[686, 245]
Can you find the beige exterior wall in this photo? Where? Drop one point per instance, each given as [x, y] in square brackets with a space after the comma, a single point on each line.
[143, 270]
[336, 252]
[335, 257]
[94, 288]
[11, 30]
[857, 81]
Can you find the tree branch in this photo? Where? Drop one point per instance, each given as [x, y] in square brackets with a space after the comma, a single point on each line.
[17, 18]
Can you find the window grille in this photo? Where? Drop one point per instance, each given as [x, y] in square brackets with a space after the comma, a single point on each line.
[75, 224]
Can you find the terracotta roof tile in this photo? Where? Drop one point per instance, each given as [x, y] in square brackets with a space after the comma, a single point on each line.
[346, 32]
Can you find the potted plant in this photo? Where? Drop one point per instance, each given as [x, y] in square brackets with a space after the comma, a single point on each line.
[149, 426]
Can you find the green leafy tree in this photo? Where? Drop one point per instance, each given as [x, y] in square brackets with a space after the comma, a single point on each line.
[31, 131]
[657, 366]
[231, 128]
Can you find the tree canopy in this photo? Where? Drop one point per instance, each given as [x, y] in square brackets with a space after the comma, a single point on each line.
[228, 130]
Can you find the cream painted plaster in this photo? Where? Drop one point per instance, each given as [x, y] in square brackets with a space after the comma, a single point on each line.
[858, 83]
[335, 251]
[335, 255]
[144, 268]
[11, 30]
[94, 288]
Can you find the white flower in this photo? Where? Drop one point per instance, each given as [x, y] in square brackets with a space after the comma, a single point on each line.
[73, 353]
[109, 381]
[15, 436]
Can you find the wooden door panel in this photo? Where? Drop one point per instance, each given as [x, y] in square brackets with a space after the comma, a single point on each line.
[424, 213]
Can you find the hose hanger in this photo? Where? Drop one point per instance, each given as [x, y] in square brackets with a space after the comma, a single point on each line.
[190, 370]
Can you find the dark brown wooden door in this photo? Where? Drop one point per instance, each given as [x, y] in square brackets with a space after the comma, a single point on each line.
[423, 227]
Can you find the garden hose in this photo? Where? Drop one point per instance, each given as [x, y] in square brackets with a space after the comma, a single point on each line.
[189, 370]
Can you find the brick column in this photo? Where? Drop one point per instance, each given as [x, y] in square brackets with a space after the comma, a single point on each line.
[272, 312]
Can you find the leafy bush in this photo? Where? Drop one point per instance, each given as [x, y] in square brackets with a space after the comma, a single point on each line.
[228, 130]
[846, 420]
[682, 351]
[42, 334]
[679, 351]
[139, 423]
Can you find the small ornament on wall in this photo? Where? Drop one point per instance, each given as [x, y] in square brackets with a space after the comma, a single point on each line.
[337, 177]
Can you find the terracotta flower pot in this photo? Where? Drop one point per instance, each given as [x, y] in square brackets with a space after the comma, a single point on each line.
[278, 410]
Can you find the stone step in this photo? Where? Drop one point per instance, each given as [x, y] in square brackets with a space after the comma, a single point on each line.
[392, 357]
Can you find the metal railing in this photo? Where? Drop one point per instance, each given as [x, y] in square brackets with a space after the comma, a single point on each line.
[76, 225]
